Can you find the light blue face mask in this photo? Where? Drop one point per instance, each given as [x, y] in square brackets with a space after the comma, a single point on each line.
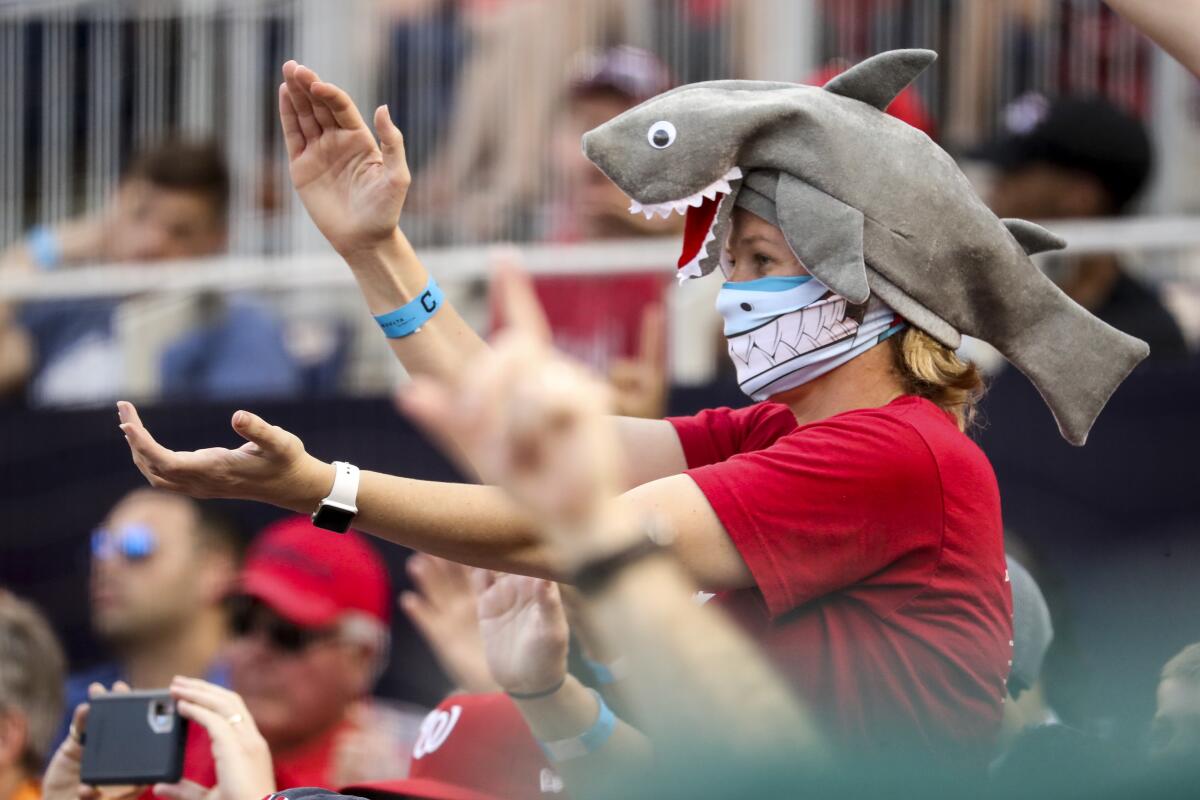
[783, 332]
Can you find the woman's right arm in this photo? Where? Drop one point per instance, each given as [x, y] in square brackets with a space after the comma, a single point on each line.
[354, 190]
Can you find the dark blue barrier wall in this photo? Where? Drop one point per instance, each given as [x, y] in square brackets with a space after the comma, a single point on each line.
[1114, 528]
[61, 471]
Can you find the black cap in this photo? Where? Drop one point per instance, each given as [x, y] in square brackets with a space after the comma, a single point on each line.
[1088, 134]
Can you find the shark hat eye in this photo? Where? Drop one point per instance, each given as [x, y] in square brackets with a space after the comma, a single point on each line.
[661, 135]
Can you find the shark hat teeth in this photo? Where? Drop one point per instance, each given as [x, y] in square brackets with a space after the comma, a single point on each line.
[701, 210]
[680, 206]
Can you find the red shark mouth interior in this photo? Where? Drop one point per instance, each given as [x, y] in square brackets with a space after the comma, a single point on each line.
[700, 213]
[697, 223]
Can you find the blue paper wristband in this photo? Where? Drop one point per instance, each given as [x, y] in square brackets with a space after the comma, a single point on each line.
[600, 732]
[587, 742]
[409, 318]
[43, 246]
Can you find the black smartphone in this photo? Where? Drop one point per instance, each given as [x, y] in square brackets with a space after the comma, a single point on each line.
[133, 738]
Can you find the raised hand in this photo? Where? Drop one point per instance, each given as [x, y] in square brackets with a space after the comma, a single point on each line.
[243, 761]
[443, 609]
[524, 629]
[352, 187]
[271, 467]
[640, 384]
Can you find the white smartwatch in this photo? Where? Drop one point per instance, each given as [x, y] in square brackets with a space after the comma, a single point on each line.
[337, 511]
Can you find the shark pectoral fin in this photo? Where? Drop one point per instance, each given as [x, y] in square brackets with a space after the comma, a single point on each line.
[825, 234]
[880, 78]
[1033, 238]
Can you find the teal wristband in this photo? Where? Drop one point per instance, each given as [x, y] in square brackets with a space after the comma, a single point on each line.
[587, 742]
[409, 318]
[43, 246]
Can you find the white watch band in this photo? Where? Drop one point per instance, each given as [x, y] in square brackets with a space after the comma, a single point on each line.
[345, 486]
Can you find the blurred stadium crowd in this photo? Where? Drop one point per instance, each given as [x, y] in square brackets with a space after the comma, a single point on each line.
[151, 249]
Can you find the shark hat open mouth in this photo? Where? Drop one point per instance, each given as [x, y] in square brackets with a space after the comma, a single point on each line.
[700, 214]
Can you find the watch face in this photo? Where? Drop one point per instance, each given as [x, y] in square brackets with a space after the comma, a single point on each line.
[332, 518]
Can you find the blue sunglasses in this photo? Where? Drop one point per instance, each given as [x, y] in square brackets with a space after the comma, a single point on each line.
[134, 542]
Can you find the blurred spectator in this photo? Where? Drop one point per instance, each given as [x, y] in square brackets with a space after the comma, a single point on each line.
[162, 564]
[1033, 631]
[614, 323]
[1036, 746]
[243, 761]
[1175, 733]
[31, 674]
[602, 85]
[1083, 158]
[471, 746]
[482, 183]
[310, 635]
[171, 203]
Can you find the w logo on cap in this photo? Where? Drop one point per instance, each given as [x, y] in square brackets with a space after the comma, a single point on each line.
[435, 729]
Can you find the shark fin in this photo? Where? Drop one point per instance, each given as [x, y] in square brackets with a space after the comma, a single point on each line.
[1033, 238]
[825, 234]
[880, 78]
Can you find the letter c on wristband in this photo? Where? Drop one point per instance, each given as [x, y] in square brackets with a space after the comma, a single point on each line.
[409, 318]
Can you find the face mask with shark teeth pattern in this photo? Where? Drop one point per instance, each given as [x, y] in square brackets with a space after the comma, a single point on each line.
[784, 332]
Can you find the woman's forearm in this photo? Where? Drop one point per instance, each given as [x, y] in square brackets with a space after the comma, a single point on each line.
[391, 276]
[471, 524]
[680, 652]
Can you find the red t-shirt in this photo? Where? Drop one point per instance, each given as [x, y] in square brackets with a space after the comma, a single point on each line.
[596, 319]
[875, 541]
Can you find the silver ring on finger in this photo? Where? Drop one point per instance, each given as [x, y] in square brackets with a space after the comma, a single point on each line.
[236, 719]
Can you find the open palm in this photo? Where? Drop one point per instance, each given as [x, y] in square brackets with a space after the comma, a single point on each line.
[524, 630]
[352, 187]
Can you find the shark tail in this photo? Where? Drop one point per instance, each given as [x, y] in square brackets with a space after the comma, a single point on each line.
[1074, 381]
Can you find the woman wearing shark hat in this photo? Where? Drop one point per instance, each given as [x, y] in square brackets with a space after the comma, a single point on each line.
[848, 522]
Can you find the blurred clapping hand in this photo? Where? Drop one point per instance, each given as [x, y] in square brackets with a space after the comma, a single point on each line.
[442, 608]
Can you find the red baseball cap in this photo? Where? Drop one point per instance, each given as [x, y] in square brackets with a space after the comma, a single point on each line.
[312, 576]
[473, 747]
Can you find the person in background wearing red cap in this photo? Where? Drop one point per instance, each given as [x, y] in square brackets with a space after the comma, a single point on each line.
[612, 322]
[310, 623]
[471, 747]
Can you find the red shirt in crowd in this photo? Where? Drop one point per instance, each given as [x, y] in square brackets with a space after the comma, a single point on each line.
[311, 765]
[875, 541]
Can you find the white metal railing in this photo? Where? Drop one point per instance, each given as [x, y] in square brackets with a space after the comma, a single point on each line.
[479, 86]
[316, 271]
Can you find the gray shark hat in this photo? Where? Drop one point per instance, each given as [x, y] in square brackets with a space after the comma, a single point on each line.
[870, 206]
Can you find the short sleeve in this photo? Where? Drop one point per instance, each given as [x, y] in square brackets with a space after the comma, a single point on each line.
[830, 506]
[716, 434]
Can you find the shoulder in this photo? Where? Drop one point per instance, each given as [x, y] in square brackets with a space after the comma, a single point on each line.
[764, 419]
[898, 432]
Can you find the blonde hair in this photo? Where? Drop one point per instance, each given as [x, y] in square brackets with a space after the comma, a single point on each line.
[929, 369]
[31, 676]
